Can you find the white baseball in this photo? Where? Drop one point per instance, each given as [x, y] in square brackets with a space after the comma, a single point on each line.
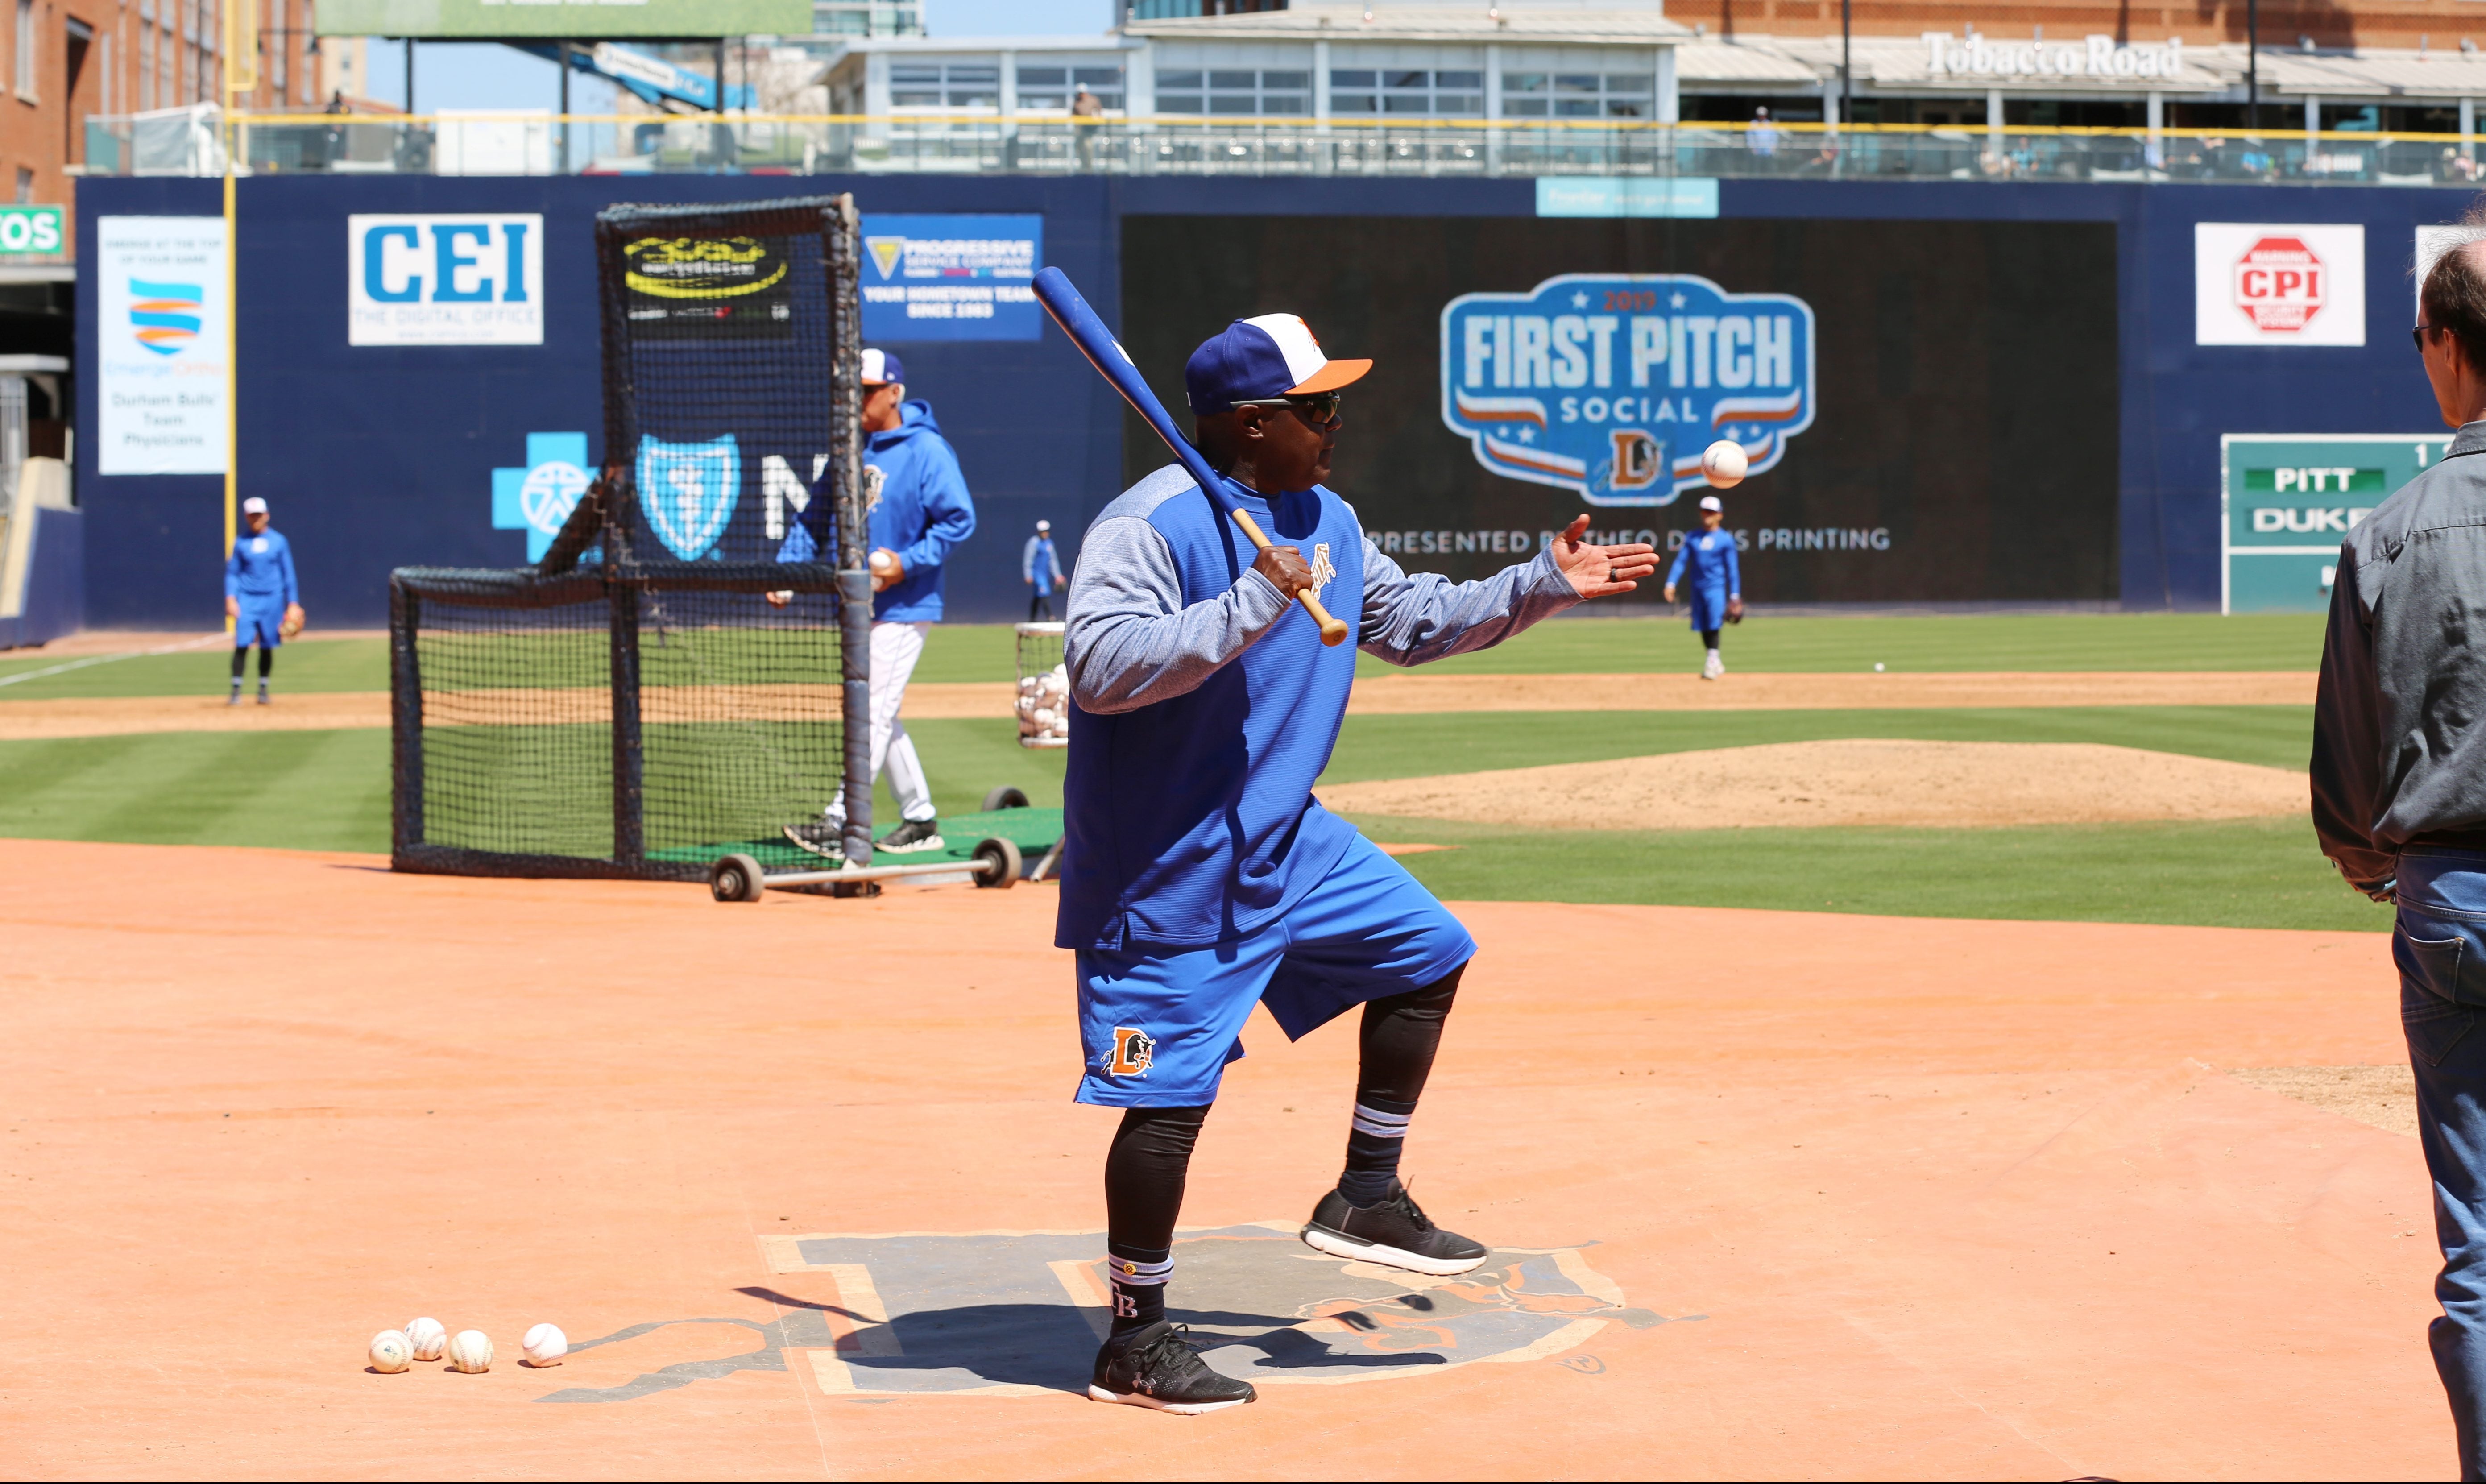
[470, 1351]
[1045, 717]
[1026, 684]
[390, 1352]
[1723, 463]
[545, 1345]
[1877, 666]
[428, 1336]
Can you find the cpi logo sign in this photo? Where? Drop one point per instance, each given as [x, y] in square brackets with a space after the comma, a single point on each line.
[1610, 385]
[444, 279]
[2278, 284]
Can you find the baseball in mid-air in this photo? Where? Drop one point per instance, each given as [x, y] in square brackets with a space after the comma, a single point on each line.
[1723, 463]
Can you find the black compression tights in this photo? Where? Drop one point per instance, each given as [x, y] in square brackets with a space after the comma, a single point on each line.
[1709, 639]
[1150, 1160]
[267, 660]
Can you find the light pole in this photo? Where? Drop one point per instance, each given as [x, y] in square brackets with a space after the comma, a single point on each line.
[2253, 65]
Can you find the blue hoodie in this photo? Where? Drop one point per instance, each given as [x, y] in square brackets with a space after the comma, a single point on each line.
[923, 510]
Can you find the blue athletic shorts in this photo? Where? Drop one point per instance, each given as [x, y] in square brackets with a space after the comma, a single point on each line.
[1159, 1027]
[260, 619]
[1708, 609]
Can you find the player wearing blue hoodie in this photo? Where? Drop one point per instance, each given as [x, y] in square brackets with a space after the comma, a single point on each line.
[920, 509]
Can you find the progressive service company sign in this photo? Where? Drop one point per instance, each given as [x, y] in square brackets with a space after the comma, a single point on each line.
[1610, 385]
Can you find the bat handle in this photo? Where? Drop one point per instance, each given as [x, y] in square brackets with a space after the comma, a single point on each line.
[1332, 629]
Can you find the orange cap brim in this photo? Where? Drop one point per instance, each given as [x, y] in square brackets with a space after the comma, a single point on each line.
[1330, 377]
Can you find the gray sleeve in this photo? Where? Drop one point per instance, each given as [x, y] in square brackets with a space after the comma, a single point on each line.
[2347, 759]
[1130, 641]
[1410, 619]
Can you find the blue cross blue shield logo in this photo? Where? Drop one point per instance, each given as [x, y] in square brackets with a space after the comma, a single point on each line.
[1612, 384]
[688, 491]
[538, 498]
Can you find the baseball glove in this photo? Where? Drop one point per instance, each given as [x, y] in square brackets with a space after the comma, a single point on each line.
[292, 623]
[1734, 610]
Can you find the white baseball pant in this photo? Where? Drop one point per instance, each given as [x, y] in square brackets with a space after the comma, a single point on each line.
[894, 649]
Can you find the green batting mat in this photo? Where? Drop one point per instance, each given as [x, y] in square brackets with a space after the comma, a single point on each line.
[1032, 830]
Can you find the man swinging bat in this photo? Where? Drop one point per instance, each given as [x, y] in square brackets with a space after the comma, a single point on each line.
[1200, 877]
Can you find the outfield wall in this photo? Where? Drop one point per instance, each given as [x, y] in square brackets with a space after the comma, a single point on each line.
[1961, 340]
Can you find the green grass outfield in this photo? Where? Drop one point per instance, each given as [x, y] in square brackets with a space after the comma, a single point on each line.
[329, 790]
[968, 652]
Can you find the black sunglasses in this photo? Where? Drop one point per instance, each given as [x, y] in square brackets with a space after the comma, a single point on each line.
[2416, 336]
[1317, 407]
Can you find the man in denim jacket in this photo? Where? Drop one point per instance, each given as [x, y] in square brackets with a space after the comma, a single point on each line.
[2399, 795]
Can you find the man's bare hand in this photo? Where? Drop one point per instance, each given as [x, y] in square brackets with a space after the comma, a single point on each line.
[886, 571]
[1286, 567]
[1602, 571]
[779, 599]
[232, 608]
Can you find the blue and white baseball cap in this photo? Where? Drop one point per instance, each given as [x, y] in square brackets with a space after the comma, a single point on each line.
[880, 368]
[1268, 355]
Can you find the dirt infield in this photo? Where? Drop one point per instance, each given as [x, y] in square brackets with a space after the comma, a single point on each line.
[1775, 1194]
[1386, 696]
[1855, 782]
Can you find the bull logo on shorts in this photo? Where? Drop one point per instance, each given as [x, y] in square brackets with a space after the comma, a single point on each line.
[1135, 1051]
[1612, 384]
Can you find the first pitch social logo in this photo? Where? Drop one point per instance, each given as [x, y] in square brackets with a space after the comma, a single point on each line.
[1610, 385]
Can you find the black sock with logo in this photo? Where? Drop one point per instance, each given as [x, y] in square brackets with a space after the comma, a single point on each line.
[1145, 1174]
[1400, 1035]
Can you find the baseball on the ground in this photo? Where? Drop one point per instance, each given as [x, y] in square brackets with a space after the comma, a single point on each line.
[428, 1336]
[470, 1351]
[544, 1345]
[390, 1353]
[1723, 463]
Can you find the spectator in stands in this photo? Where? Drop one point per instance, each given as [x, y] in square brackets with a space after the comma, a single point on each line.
[1042, 569]
[1761, 136]
[1084, 111]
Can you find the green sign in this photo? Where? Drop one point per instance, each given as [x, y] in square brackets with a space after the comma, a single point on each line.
[31, 230]
[565, 20]
[2288, 499]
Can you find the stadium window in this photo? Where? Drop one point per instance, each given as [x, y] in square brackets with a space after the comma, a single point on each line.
[277, 51]
[1180, 92]
[1043, 87]
[1628, 95]
[945, 85]
[26, 56]
[1351, 91]
[1523, 95]
[25, 186]
[1404, 91]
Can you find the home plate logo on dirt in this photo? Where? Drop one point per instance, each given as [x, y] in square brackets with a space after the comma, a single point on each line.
[2279, 283]
[1021, 1313]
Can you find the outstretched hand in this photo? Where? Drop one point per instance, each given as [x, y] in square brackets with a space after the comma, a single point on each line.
[1602, 571]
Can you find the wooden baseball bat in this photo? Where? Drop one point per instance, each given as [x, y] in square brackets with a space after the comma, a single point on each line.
[1069, 311]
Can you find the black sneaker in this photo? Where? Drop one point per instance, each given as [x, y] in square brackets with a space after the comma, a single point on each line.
[1160, 1367]
[1395, 1233]
[911, 835]
[822, 839]
[263, 696]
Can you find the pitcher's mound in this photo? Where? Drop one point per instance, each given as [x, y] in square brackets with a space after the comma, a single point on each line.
[1958, 785]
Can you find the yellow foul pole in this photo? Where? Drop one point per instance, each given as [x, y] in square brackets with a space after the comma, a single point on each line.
[240, 77]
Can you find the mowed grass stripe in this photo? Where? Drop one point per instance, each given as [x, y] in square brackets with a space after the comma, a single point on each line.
[1585, 645]
[294, 790]
[1379, 747]
[2220, 873]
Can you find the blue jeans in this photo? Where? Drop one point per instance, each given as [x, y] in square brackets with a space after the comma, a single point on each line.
[2440, 945]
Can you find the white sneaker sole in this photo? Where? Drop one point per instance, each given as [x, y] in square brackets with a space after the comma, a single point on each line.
[1320, 1240]
[928, 842]
[824, 852]
[1097, 1393]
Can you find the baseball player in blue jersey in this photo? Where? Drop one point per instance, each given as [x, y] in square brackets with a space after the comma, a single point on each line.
[1041, 567]
[1717, 585]
[920, 511]
[1200, 877]
[261, 596]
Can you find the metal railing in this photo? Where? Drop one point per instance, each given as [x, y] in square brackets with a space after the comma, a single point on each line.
[193, 142]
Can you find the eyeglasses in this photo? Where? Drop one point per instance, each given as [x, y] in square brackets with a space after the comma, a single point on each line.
[1319, 408]
[2416, 336]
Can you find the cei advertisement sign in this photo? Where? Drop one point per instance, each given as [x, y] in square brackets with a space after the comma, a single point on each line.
[160, 341]
[2256, 285]
[444, 279]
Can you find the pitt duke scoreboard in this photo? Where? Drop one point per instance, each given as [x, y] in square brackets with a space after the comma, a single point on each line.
[2286, 502]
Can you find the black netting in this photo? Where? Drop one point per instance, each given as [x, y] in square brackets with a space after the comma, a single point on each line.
[721, 375]
[688, 694]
